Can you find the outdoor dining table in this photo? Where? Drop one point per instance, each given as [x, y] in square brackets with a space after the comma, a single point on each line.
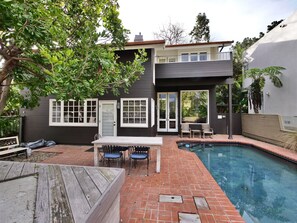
[129, 141]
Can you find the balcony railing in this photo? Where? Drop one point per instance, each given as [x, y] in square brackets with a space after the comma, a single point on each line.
[193, 57]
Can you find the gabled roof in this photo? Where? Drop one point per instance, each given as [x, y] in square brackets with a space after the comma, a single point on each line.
[285, 31]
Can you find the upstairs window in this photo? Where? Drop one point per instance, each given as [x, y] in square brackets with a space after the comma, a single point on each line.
[184, 57]
[194, 57]
[73, 113]
[203, 56]
[162, 60]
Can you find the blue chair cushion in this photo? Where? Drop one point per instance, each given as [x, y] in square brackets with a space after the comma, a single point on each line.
[112, 155]
[139, 155]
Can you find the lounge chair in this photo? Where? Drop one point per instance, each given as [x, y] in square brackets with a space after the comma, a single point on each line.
[185, 129]
[206, 130]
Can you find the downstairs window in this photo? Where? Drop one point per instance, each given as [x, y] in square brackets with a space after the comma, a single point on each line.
[73, 113]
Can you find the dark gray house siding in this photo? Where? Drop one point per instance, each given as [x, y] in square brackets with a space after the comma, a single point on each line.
[221, 68]
[36, 126]
[36, 121]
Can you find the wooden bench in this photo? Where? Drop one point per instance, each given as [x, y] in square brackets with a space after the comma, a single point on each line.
[10, 146]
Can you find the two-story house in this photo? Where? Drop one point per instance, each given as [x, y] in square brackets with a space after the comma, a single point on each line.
[178, 86]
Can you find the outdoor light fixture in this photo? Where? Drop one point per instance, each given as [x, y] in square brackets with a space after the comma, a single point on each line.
[118, 105]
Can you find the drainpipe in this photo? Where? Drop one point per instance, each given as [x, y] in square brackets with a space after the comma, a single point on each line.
[230, 81]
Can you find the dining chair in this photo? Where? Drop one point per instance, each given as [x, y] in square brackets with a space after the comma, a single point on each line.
[111, 152]
[139, 153]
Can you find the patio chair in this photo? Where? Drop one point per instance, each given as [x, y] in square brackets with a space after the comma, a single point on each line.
[139, 153]
[112, 153]
[185, 129]
[206, 130]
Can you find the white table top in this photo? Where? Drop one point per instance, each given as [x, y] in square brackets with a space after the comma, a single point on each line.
[129, 141]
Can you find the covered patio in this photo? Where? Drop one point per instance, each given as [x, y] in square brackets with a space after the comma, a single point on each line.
[182, 174]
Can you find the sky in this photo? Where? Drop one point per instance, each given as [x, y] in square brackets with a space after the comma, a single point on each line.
[229, 19]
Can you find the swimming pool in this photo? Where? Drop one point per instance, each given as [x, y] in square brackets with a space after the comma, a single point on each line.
[261, 186]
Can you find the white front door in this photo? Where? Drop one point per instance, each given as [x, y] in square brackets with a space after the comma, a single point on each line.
[167, 112]
[108, 118]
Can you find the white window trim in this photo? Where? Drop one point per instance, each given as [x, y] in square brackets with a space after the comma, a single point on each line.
[139, 125]
[62, 123]
[180, 108]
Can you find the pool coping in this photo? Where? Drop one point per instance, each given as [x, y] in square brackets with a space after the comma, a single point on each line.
[289, 155]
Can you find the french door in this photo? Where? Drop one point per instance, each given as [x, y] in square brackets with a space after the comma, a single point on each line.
[107, 118]
[167, 112]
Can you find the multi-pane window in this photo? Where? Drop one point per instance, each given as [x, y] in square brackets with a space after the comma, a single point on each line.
[203, 56]
[194, 56]
[73, 113]
[184, 57]
[162, 60]
[134, 112]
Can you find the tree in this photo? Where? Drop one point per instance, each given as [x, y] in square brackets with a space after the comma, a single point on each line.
[64, 48]
[200, 31]
[273, 24]
[172, 34]
[258, 82]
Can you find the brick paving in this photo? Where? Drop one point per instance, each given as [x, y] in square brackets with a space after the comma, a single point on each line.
[182, 173]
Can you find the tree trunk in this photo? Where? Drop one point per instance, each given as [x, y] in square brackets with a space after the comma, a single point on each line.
[4, 90]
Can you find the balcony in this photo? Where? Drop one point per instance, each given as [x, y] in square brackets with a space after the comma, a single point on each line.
[194, 65]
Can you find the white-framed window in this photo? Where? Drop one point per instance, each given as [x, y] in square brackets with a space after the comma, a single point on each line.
[162, 60]
[171, 59]
[194, 106]
[184, 57]
[134, 112]
[194, 57]
[202, 56]
[73, 113]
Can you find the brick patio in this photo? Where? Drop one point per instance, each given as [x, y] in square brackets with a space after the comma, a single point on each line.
[182, 173]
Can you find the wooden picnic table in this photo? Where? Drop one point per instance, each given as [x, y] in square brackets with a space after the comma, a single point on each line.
[129, 141]
[31, 192]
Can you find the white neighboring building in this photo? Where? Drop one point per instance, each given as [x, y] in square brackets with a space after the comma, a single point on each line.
[278, 48]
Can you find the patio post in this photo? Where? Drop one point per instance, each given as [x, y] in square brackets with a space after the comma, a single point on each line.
[230, 81]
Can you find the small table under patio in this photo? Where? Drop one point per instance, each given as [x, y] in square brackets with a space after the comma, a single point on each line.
[129, 141]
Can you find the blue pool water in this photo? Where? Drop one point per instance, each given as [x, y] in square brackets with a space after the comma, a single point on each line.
[261, 186]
